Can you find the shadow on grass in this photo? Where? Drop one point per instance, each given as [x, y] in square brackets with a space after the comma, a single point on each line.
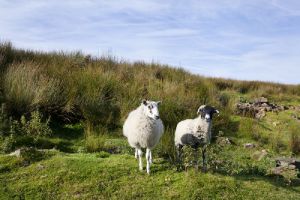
[70, 132]
[277, 181]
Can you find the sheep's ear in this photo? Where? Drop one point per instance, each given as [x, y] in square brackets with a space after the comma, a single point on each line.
[199, 110]
[217, 112]
[144, 101]
[159, 102]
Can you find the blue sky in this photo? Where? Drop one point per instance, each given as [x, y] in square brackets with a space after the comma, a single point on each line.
[249, 40]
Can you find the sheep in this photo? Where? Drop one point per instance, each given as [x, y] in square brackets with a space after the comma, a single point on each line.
[143, 129]
[195, 132]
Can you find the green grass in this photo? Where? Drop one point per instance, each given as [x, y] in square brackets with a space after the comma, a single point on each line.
[88, 99]
[88, 176]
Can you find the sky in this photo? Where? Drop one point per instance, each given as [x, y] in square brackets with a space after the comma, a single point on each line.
[247, 40]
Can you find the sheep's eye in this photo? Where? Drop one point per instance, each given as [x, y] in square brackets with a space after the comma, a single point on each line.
[149, 107]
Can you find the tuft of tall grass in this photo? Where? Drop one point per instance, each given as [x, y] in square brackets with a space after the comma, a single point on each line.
[294, 143]
[26, 88]
[166, 147]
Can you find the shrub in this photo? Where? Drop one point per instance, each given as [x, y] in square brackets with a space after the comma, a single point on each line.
[35, 127]
[97, 99]
[224, 99]
[8, 145]
[26, 130]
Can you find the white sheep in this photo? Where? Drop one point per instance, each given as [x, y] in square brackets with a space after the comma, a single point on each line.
[143, 129]
[195, 132]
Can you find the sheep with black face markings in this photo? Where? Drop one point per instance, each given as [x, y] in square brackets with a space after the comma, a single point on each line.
[143, 129]
[195, 132]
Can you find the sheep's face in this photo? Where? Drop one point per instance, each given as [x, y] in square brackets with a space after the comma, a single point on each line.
[151, 109]
[207, 112]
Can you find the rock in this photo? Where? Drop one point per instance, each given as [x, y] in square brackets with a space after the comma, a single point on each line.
[249, 145]
[292, 167]
[286, 162]
[16, 153]
[277, 170]
[261, 100]
[258, 108]
[259, 155]
[260, 114]
[40, 167]
[295, 116]
[280, 108]
[223, 141]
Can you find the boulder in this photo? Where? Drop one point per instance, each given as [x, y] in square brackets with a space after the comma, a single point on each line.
[286, 162]
[223, 141]
[260, 114]
[249, 145]
[259, 155]
[261, 100]
[286, 167]
[16, 153]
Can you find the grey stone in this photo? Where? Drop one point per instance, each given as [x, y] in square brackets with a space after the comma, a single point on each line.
[249, 145]
[16, 153]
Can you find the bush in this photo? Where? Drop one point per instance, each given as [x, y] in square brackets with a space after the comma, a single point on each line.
[35, 127]
[26, 130]
[8, 145]
[97, 99]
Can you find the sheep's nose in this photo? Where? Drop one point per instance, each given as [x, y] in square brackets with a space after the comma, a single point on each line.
[156, 117]
[207, 116]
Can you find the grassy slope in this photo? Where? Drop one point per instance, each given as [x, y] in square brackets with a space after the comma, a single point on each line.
[87, 176]
[71, 87]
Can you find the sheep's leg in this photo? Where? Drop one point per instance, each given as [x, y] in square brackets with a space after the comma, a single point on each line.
[136, 153]
[148, 159]
[196, 155]
[179, 156]
[140, 154]
[204, 167]
[150, 153]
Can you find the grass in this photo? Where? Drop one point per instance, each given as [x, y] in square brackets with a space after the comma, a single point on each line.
[87, 100]
[87, 176]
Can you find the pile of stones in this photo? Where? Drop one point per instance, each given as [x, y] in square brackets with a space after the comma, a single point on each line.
[258, 108]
